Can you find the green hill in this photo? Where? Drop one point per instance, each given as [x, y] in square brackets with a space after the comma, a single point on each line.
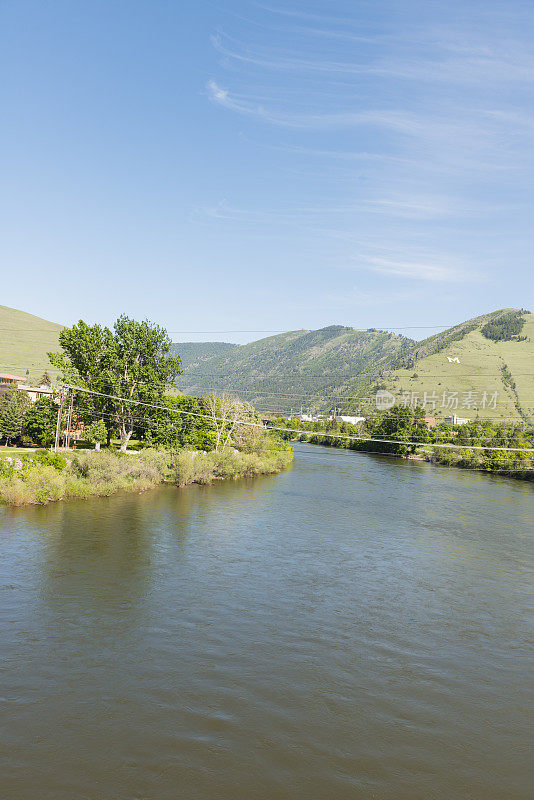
[340, 367]
[25, 341]
[493, 377]
[294, 369]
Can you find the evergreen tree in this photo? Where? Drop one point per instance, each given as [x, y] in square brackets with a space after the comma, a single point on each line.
[40, 422]
[13, 405]
[45, 379]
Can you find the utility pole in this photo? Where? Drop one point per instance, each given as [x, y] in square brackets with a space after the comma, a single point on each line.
[58, 425]
[69, 417]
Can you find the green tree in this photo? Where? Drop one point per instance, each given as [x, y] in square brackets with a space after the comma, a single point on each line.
[131, 362]
[178, 425]
[45, 379]
[40, 422]
[96, 433]
[13, 405]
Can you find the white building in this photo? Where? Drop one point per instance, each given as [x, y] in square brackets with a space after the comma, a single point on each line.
[454, 420]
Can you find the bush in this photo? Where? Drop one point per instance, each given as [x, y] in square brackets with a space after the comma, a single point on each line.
[47, 458]
[45, 483]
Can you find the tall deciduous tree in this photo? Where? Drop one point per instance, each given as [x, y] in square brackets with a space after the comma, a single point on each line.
[132, 362]
[96, 433]
[229, 417]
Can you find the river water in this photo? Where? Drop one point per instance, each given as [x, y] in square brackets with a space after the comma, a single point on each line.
[356, 627]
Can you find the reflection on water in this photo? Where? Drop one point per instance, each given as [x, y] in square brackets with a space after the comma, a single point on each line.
[354, 628]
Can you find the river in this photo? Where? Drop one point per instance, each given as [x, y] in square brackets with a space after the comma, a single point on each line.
[356, 627]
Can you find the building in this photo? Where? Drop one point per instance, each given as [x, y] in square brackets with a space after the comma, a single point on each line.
[430, 422]
[8, 381]
[454, 420]
[37, 392]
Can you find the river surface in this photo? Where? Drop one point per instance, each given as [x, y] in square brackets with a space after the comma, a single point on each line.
[356, 627]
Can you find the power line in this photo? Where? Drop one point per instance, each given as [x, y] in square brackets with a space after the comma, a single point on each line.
[293, 430]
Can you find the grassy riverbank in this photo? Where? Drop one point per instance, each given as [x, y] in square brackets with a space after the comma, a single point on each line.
[42, 477]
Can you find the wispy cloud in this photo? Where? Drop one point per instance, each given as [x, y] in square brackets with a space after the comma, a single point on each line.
[395, 120]
[411, 138]
[405, 207]
[425, 270]
[443, 59]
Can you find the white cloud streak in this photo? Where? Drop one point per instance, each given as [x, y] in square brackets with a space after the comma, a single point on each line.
[425, 270]
[446, 110]
[394, 120]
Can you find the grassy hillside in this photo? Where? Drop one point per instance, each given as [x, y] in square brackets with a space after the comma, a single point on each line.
[283, 372]
[25, 341]
[485, 366]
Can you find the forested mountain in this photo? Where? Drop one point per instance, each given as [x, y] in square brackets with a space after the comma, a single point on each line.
[294, 369]
[487, 361]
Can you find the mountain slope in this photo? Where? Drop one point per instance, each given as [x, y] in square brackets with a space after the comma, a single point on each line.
[484, 367]
[25, 341]
[294, 369]
[193, 353]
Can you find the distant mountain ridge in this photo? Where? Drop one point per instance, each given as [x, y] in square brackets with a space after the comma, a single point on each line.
[342, 367]
[193, 353]
[338, 366]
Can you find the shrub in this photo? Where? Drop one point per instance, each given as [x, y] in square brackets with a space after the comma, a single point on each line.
[49, 459]
[45, 482]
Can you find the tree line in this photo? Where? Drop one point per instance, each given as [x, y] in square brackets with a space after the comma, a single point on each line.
[123, 381]
[410, 435]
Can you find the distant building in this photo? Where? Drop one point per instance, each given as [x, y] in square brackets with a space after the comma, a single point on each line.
[350, 420]
[430, 422]
[8, 381]
[310, 417]
[36, 392]
[454, 420]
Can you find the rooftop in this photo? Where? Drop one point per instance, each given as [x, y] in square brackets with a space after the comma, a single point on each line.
[7, 376]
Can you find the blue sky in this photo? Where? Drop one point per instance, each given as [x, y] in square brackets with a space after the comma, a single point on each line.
[257, 166]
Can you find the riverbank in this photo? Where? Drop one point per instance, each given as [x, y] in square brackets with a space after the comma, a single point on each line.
[518, 464]
[480, 445]
[44, 477]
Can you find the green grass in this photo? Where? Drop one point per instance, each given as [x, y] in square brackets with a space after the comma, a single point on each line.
[25, 341]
